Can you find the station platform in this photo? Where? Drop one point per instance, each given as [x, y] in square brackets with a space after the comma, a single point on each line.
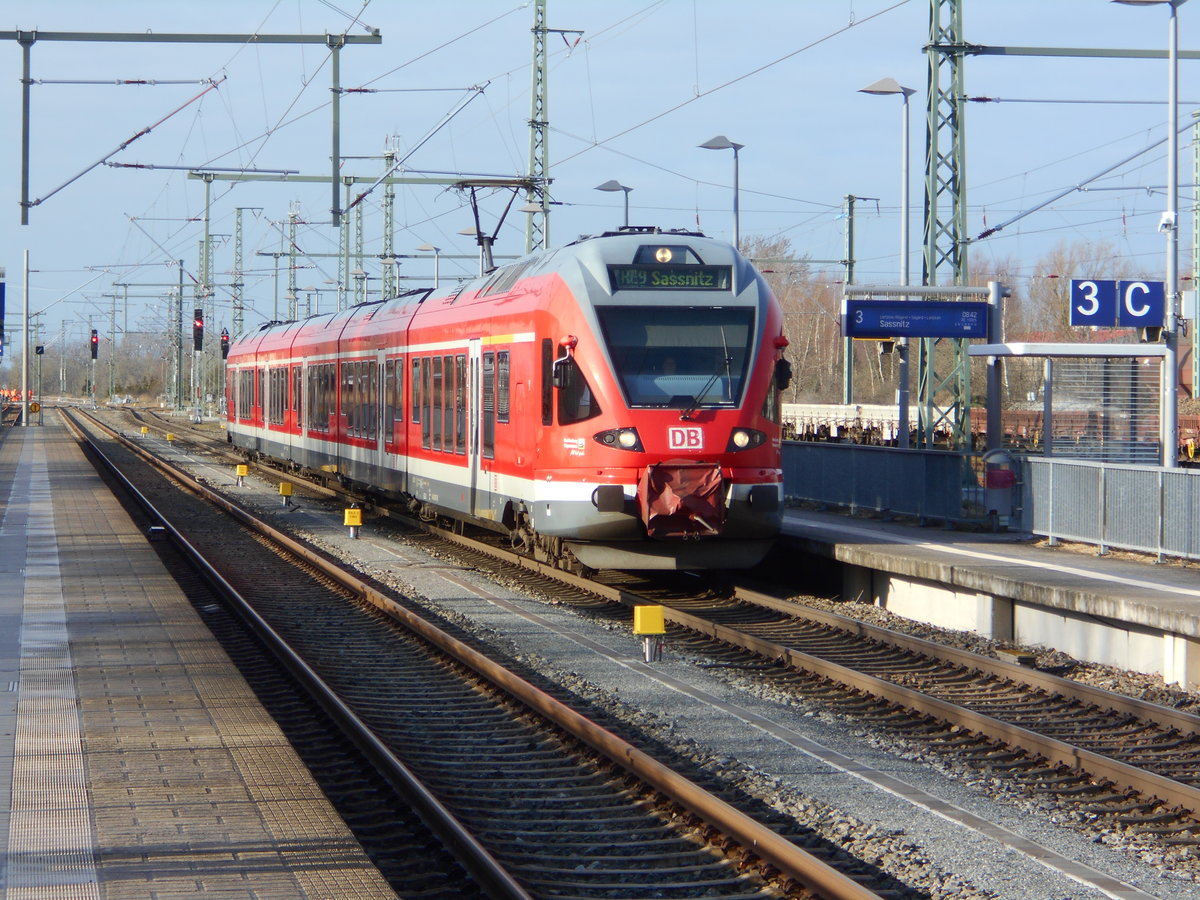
[1119, 609]
[135, 762]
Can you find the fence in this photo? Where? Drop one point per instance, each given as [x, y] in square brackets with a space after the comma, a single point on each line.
[926, 484]
[1146, 508]
[1150, 509]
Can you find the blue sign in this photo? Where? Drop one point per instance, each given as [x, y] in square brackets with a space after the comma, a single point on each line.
[1143, 304]
[886, 319]
[1093, 302]
[1126, 304]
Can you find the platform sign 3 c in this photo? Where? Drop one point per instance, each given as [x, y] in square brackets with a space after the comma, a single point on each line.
[1126, 304]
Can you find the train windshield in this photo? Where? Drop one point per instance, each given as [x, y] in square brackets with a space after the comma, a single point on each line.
[675, 357]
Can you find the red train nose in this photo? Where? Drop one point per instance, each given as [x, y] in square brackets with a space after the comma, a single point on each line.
[679, 499]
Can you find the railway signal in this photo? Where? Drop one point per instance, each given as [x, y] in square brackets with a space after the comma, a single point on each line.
[198, 330]
[224, 343]
[95, 344]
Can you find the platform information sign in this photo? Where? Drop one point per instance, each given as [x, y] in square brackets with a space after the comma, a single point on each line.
[887, 319]
[1126, 304]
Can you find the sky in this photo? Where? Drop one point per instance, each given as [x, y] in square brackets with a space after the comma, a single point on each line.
[634, 87]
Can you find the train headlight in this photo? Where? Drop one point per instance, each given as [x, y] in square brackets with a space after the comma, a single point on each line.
[744, 439]
[620, 438]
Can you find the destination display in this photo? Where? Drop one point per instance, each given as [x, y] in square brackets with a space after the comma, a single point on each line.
[885, 319]
[661, 277]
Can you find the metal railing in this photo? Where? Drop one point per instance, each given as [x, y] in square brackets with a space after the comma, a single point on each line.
[925, 484]
[1150, 509]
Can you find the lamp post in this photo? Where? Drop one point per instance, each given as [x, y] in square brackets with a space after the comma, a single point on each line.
[1170, 226]
[436, 251]
[613, 185]
[889, 86]
[720, 142]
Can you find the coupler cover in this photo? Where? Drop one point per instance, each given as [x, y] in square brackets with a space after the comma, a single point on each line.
[679, 499]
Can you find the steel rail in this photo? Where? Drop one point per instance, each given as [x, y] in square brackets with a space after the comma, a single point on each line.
[788, 859]
[1184, 722]
[475, 858]
[1168, 790]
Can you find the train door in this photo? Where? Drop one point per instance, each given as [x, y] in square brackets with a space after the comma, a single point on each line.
[479, 496]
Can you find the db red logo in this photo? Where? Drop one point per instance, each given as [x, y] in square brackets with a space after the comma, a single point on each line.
[680, 438]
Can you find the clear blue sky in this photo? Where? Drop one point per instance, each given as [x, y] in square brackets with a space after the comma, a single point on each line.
[631, 99]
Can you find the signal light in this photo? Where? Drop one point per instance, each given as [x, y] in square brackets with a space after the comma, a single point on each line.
[95, 344]
[224, 343]
[198, 330]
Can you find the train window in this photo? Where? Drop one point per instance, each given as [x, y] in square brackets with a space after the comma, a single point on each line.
[675, 357]
[502, 389]
[415, 404]
[436, 383]
[576, 402]
[460, 406]
[426, 398]
[276, 394]
[489, 405]
[245, 394]
[547, 384]
[772, 409]
[297, 393]
[448, 421]
[371, 419]
[393, 396]
[320, 396]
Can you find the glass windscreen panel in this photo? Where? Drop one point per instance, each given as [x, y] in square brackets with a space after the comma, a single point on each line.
[679, 357]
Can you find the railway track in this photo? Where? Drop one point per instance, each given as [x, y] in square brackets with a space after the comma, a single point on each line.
[565, 807]
[1126, 764]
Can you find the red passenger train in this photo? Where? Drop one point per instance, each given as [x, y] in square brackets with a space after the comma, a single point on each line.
[614, 403]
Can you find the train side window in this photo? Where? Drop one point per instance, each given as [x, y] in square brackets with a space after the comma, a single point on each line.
[547, 383]
[389, 396]
[245, 397]
[398, 406]
[297, 393]
[436, 404]
[460, 405]
[393, 395]
[448, 421]
[502, 386]
[372, 421]
[415, 381]
[489, 405]
[772, 409]
[426, 402]
[576, 402]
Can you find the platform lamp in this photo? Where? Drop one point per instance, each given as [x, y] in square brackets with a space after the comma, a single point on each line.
[613, 185]
[720, 142]
[436, 251]
[1169, 225]
[889, 86]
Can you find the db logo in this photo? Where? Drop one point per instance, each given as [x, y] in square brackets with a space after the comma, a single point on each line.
[680, 438]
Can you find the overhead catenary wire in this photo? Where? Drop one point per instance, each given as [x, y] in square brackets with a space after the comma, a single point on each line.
[145, 131]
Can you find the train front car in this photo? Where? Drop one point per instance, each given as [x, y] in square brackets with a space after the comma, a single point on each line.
[665, 446]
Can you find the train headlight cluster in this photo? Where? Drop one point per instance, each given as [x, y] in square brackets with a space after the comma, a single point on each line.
[744, 439]
[621, 438]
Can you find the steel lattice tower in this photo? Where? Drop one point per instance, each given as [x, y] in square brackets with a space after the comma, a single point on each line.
[537, 228]
[945, 232]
